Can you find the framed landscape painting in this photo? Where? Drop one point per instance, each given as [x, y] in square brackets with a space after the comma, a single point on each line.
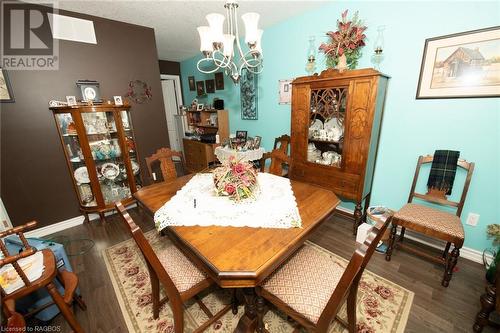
[5, 87]
[465, 64]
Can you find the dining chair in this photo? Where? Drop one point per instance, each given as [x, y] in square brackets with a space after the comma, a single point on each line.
[47, 280]
[282, 143]
[311, 287]
[432, 222]
[181, 279]
[279, 162]
[165, 156]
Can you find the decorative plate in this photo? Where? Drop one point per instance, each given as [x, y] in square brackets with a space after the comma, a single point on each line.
[316, 125]
[135, 167]
[110, 170]
[82, 175]
[139, 91]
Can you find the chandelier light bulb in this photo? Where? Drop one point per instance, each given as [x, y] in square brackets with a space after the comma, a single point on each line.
[227, 45]
[216, 23]
[258, 43]
[251, 21]
[206, 42]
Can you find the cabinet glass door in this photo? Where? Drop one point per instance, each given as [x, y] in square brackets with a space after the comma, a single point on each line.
[76, 161]
[103, 138]
[130, 143]
[326, 126]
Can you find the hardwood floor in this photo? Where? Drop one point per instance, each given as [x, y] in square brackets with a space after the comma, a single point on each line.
[435, 308]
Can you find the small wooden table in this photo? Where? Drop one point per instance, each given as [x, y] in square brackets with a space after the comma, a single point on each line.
[242, 257]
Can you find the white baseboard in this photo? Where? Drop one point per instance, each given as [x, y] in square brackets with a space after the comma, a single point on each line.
[56, 227]
[465, 252]
[63, 225]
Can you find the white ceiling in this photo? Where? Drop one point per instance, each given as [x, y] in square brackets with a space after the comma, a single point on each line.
[175, 22]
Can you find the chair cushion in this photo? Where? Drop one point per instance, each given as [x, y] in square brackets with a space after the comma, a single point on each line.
[434, 220]
[182, 271]
[306, 281]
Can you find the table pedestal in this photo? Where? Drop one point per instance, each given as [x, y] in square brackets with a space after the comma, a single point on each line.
[248, 322]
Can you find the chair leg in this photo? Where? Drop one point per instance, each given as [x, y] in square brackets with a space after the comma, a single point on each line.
[392, 240]
[446, 250]
[260, 314]
[450, 265]
[234, 302]
[351, 307]
[64, 308]
[402, 234]
[155, 293]
[178, 312]
[487, 306]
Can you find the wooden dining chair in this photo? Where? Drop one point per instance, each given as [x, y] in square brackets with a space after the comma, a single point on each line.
[181, 279]
[432, 222]
[165, 156]
[282, 143]
[50, 273]
[311, 287]
[279, 162]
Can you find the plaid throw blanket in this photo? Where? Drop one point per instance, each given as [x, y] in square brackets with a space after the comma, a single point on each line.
[443, 170]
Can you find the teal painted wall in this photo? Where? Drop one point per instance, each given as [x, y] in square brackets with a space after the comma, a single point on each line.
[410, 127]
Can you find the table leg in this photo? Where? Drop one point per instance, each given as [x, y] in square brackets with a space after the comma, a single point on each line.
[248, 322]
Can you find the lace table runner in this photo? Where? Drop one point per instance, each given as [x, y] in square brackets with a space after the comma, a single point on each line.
[223, 154]
[197, 204]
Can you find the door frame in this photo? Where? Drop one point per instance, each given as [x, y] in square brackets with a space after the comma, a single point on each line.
[178, 92]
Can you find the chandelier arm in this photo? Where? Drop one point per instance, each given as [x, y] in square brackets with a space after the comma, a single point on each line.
[221, 63]
[205, 71]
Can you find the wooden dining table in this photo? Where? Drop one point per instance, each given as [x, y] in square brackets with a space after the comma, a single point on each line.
[242, 257]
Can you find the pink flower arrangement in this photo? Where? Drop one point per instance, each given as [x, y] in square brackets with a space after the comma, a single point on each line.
[347, 40]
[235, 179]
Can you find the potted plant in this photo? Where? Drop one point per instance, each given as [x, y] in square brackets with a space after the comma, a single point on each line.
[344, 47]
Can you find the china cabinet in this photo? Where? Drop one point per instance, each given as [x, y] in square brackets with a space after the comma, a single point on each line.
[99, 146]
[336, 119]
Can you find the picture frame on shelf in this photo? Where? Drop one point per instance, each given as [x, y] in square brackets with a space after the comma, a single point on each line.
[118, 100]
[89, 90]
[210, 86]
[71, 100]
[241, 135]
[200, 88]
[461, 65]
[219, 81]
[256, 142]
[6, 94]
[192, 83]
[200, 107]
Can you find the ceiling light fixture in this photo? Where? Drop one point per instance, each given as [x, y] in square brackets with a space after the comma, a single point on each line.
[218, 47]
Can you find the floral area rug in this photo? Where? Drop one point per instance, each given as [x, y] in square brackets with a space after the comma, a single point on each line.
[382, 306]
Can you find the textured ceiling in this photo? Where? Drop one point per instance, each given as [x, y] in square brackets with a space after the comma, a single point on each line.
[175, 22]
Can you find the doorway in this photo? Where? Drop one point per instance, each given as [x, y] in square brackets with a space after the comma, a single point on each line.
[172, 97]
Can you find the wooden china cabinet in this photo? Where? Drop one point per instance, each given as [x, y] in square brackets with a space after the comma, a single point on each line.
[99, 147]
[336, 120]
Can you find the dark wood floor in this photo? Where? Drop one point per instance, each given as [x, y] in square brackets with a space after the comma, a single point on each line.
[435, 309]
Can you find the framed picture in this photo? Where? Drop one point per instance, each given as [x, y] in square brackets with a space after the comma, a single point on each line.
[248, 95]
[71, 100]
[256, 142]
[465, 64]
[192, 85]
[241, 135]
[219, 81]
[210, 86]
[89, 90]
[6, 95]
[118, 100]
[200, 88]
[285, 92]
[200, 107]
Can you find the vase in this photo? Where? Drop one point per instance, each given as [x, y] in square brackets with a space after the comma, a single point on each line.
[342, 63]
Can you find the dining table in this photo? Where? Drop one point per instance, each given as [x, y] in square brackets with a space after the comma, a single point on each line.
[242, 257]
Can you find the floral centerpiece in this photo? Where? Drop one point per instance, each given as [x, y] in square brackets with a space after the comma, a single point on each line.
[493, 231]
[236, 179]
[344, 48]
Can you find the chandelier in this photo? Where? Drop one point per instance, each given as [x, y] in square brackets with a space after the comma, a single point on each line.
[219, 48]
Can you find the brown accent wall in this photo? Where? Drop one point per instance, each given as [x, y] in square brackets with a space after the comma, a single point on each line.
[35, 182]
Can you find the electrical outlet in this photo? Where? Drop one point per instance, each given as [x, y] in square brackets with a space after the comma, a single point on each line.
[472, 219]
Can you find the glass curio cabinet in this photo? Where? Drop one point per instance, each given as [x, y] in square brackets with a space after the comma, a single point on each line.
[336, 121]
[99, 146]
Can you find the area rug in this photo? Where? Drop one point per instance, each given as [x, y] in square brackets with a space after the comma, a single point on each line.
[382, 306]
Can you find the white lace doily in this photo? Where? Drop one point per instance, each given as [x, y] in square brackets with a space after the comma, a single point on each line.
[223, 154]
[273, 207]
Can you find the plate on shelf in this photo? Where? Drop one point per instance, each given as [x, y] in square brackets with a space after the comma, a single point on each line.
[316, 125]
[135, 167]
[110, 170]
[82, 175]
